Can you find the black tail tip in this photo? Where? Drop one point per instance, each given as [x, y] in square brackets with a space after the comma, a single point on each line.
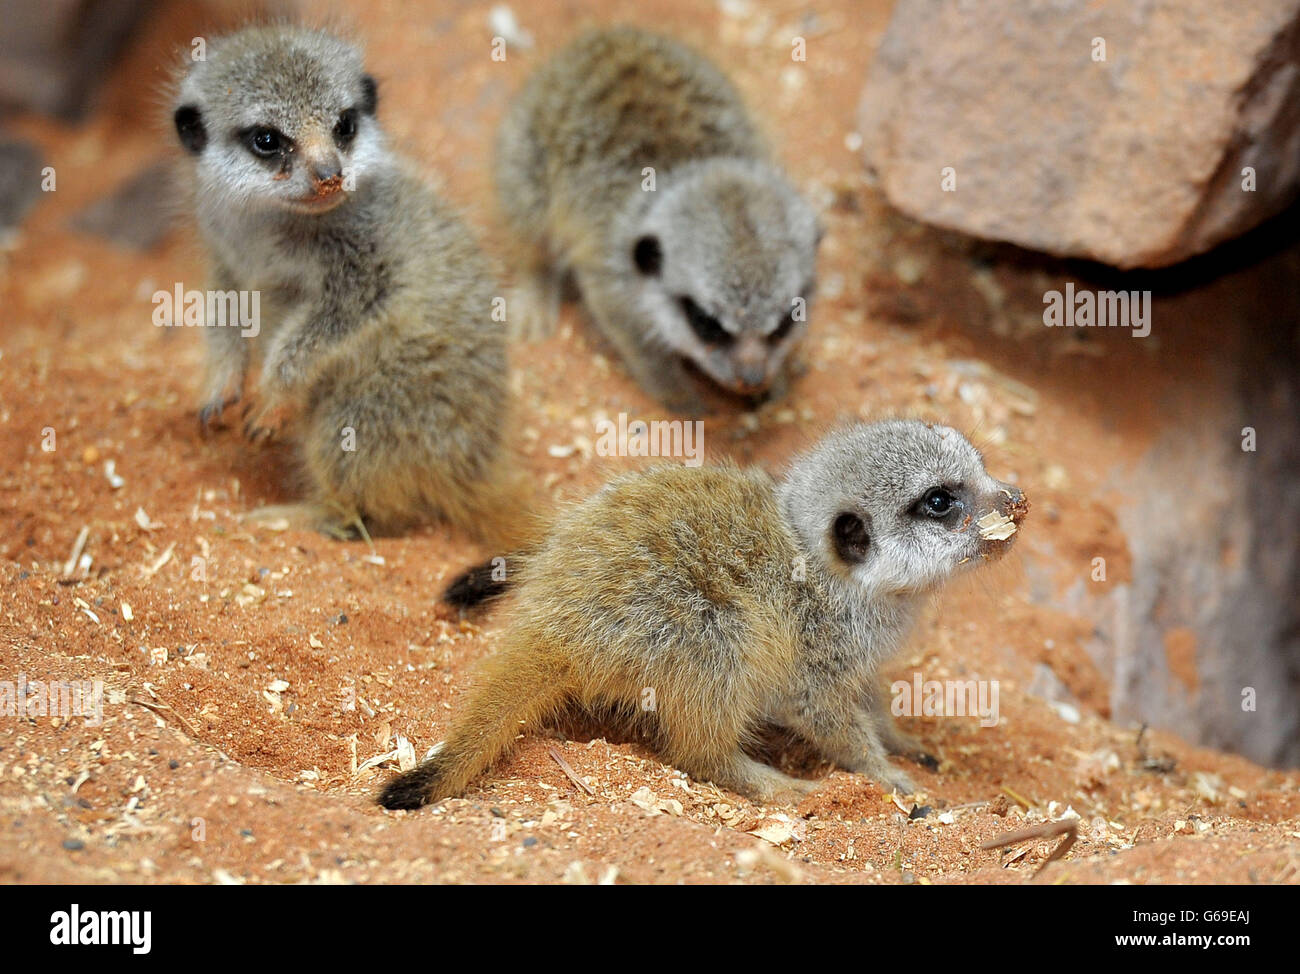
[474, 587]
[408, 790]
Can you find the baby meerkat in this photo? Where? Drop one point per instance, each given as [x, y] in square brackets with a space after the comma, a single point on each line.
[629, 161]
[378, 349]
[707, 603]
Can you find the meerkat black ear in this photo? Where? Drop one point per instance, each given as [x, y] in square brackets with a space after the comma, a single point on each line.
[369, 94]
[649, 256]
[851, 537]
[189, 126]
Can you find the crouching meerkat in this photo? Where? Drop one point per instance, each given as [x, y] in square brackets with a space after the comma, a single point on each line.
[630, 162]
[378, 349]
[704, 604]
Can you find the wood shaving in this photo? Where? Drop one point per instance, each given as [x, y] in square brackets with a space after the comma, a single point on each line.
[70, 565]
[777, 832]
[995, 526]
[1068, 827]
[558, 758]
[405, 754]
[162, 560]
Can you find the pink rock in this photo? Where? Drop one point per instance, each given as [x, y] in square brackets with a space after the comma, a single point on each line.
[1136, 160]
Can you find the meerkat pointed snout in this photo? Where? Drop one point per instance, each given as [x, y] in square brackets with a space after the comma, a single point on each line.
[731, 603]
[630, 162]
[380, 355]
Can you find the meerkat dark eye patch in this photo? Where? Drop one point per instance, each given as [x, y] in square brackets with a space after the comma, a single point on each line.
[345, 129]
[190, 128]
[850, 536]
[706, 327]
[369, 94]
[648, 256]
[778, 334]
[264, 142]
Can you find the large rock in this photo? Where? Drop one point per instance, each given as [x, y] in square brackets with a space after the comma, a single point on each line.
[1204, 639]
[1135, 160]
[1196, 615]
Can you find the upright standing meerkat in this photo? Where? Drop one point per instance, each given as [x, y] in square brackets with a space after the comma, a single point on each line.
[378, 347]
[630, 161]
[730, 602]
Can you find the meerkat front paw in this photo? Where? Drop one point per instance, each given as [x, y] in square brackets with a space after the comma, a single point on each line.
[668, 381]
[224, 387]
[902, 744]
[758, 781]
[882, 771]
[794, 792]
[534, 312]
[267, 420]
[210, 411]
[899, 781]
[283, 371]
[687, 406]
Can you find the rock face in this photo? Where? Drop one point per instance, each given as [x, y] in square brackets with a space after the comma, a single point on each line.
[1197, 629]
[1105, 129]
[1205, 639]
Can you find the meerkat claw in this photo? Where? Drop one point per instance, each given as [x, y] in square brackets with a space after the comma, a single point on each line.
[211, 413]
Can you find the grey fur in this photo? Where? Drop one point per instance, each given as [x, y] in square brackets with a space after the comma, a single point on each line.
[376, 300]
[735, 236]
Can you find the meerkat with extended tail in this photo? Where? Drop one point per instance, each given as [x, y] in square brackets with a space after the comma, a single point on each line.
[732, 603]
[629, 161]
[379, 350]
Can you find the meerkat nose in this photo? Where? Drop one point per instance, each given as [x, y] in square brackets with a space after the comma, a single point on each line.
[751, 364]
[752, 376]
[1016, 505]
[326, 169]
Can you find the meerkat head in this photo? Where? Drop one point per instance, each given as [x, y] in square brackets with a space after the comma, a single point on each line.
[898, 507]
[723, 257]
[279, 117]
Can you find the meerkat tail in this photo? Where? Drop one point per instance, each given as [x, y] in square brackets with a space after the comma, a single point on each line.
[506, 513]
[493, 578]
[475, 587]
[518, 690]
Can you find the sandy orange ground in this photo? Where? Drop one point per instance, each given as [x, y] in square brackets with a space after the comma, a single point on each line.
[243, 697]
